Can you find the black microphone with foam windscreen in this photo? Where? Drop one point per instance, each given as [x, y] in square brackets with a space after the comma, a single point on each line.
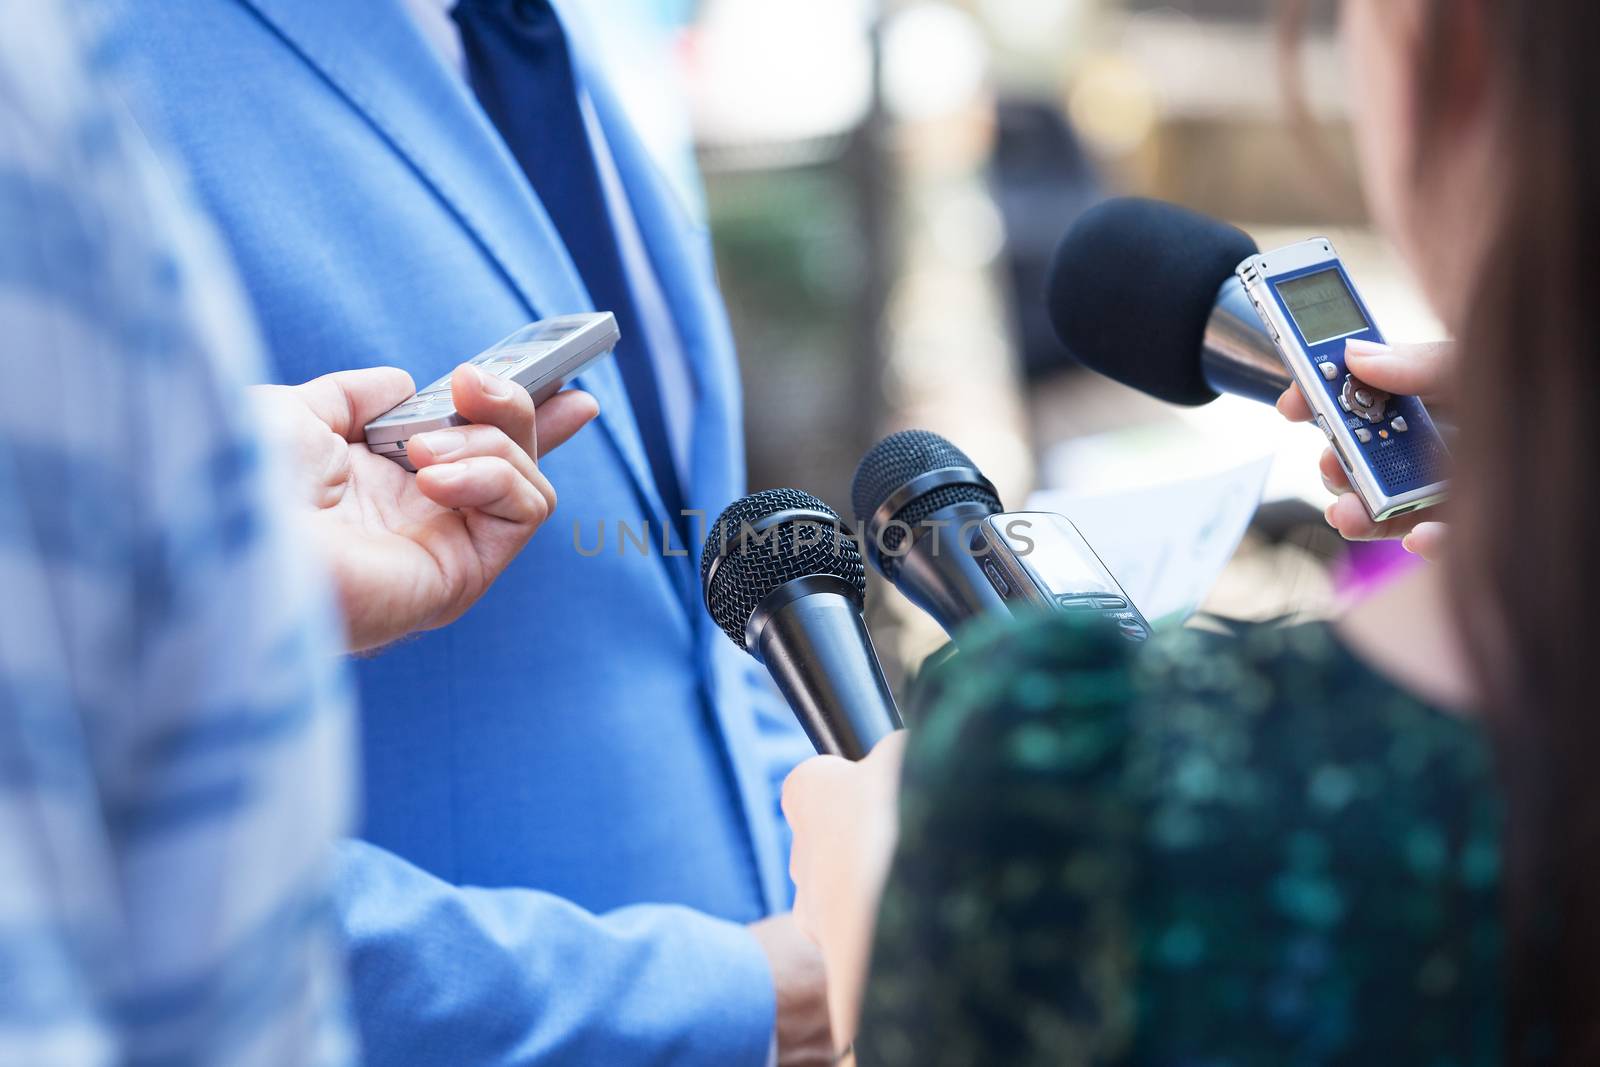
[784, 579]
[1147, 294]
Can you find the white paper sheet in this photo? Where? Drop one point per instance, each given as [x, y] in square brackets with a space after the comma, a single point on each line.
[1168, 542]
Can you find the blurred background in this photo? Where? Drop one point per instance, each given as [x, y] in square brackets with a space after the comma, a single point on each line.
[885, 182]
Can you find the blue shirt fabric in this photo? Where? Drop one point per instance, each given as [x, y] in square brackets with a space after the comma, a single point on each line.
[174, 721]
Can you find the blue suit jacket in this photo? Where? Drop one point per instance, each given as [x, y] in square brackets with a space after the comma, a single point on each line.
[584, 740]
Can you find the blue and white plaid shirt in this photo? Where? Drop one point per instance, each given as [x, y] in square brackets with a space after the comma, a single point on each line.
[174, 720]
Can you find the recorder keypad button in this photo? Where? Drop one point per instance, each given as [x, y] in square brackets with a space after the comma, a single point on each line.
[1132, 630]
[1359, 398]
[1330, 370]
[1001, 586]
[1400, 426]
[1364, 436]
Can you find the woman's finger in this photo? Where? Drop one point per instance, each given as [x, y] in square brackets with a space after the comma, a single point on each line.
[1349, 516]
[1427, 540]
[1333, 475]
[1292, 405]
[1404, 370]
[806, 781]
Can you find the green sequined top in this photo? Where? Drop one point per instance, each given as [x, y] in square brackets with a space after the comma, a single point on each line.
[1207, 851]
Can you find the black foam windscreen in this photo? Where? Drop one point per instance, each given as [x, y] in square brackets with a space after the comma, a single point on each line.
[754, 566]
[1133, 286]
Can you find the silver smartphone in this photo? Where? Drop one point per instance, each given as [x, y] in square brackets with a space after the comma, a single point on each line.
[542, 357]
[1388, 445]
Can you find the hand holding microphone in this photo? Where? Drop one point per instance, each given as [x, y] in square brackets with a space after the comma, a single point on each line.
[845, 818]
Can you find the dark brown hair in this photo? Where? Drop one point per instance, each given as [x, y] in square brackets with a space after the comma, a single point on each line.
[1525, 564]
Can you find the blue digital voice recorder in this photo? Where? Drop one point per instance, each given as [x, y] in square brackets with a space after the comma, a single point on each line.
[1388, 445]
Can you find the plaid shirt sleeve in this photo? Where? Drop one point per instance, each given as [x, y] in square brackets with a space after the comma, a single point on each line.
[174, 720]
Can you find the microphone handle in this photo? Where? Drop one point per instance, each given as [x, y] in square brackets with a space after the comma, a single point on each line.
[816, 647]
[1239, 356]
[940, 574]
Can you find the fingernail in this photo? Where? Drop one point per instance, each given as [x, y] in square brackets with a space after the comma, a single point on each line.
[442, 444]
[1366, 349]
[495, 387]
[1327, 515]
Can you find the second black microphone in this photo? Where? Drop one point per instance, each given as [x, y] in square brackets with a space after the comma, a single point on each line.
[785, 581]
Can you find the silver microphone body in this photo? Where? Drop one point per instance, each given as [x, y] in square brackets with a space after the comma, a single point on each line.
[811, 637]
[1238, 356]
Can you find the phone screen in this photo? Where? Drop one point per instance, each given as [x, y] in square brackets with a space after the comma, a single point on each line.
[1057, 555]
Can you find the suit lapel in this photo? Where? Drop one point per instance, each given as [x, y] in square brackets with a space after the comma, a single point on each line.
[430, 119]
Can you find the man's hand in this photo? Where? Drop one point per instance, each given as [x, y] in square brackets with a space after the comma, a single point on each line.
[804, 1037]
[845, 821]
[412, 552]
[1403, 370]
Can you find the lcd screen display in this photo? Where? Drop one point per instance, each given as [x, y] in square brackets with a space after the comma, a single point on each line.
[1323, 307]
[1053, 550]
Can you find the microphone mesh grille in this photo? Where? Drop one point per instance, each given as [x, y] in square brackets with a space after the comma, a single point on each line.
[893, 463]
[919, 509]
[896, 460]
[753, 570]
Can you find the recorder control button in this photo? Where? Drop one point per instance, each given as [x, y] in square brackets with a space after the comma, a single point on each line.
[1364, 436]
[1111, 603]
[999, 583]
[1075, 603]
[1400, 426]
[1133, 630]
[1359, 398]
[1330, 370]
[1322, 424]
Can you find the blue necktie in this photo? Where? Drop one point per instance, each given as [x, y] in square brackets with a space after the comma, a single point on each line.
[521, 70]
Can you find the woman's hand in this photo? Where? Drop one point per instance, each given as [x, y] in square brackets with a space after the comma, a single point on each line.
[1403, 370]
[412, 552]
[845, 818]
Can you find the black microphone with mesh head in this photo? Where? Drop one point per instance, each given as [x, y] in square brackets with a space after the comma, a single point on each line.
[1145, 293]
[783, 578]
[919, 500]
